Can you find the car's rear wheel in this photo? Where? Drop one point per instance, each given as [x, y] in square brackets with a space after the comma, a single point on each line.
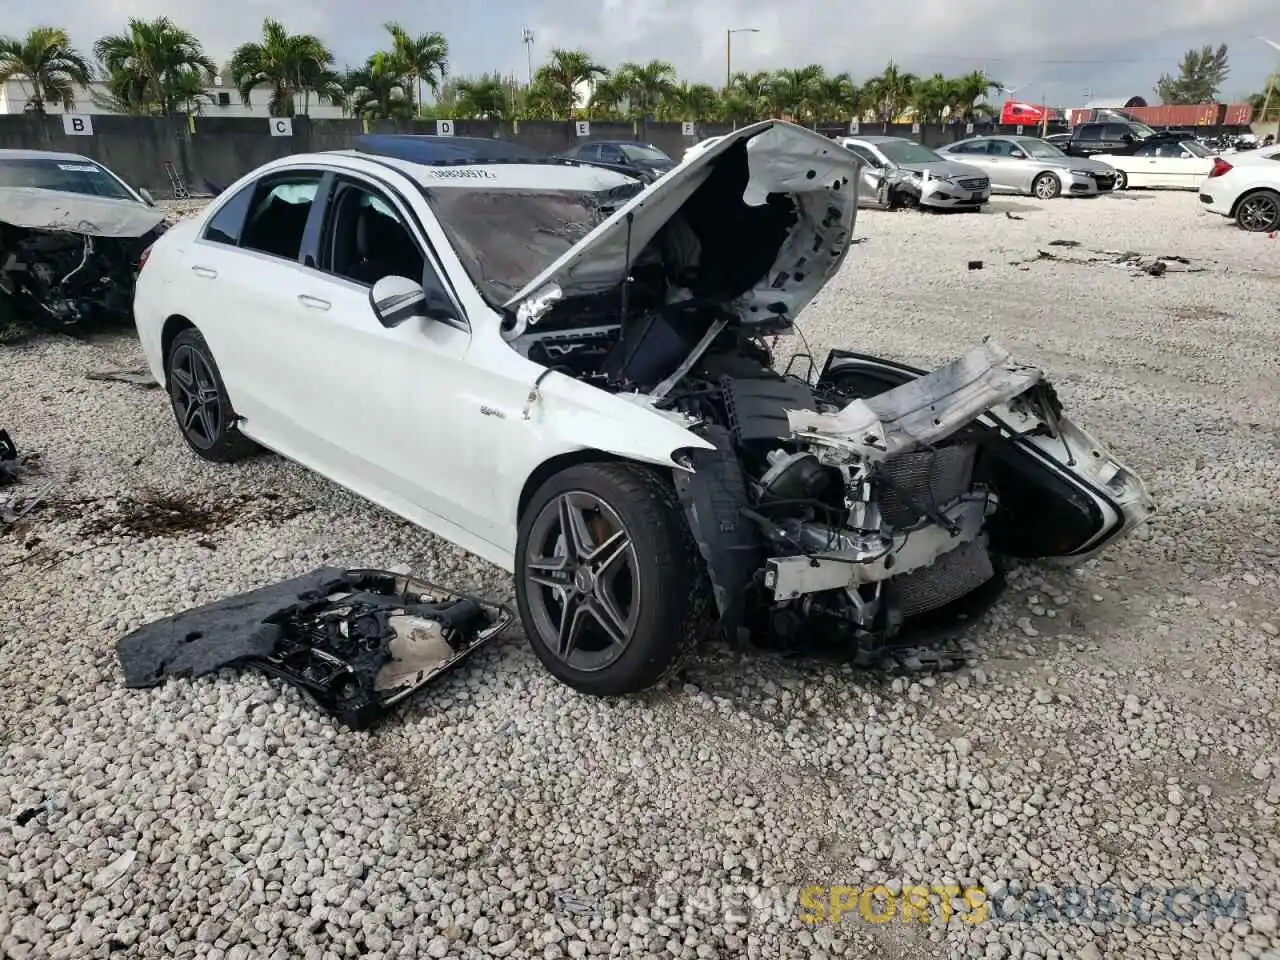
[1259, 212]
[1047, 186]
[200, 402]
[1122, 181]
[608, 580]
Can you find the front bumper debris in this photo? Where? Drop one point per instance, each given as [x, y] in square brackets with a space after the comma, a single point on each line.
[357, 642]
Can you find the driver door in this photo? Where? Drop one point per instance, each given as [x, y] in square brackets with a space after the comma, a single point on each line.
[385, 406]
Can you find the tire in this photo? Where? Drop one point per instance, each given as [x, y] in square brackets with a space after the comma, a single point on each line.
[200, 403]
[1259, 211]
[1046, 186]
[1122, 181]
[650, 587]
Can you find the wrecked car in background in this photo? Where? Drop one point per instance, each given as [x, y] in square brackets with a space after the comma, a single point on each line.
[898, 172]
[71, 236]
[587, 396]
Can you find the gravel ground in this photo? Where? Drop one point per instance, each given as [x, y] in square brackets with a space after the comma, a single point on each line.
[1115, 738]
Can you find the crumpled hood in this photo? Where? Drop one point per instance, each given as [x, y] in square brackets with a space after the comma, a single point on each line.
[55, 210]
[782, 158]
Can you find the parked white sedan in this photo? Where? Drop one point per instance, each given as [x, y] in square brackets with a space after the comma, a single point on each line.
[1180, 164]
[1246, 187]
[569, 376]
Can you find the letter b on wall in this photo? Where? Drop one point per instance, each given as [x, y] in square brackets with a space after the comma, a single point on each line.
[77, 125]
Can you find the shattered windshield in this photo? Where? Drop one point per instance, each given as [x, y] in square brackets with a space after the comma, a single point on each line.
[906, 151]
[1195, 149]
[70, 176]
[505, 238]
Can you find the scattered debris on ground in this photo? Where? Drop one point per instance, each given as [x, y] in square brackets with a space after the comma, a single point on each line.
[138, 377]
[1140, 264]
[155, 514]
[356, 641]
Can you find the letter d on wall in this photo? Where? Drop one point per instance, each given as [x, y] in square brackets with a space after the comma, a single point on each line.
[77, 125]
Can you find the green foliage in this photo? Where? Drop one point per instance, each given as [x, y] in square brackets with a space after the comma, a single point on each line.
[1200, 76]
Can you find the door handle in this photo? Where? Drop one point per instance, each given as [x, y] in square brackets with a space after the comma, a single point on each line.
[204, 272]
[315, 303]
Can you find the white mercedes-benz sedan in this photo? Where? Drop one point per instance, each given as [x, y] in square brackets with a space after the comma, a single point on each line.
[568, 373]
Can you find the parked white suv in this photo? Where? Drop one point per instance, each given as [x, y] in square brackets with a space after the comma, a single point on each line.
[1246, 186]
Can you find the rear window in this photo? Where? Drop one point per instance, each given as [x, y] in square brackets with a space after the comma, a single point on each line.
[67, 175]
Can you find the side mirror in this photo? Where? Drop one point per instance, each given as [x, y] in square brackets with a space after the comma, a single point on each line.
[397, 299]
[1018, 155]
[145, 194]
[1128, 137]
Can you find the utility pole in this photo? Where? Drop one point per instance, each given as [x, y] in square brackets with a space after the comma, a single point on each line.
[527, 40]
[728, 53]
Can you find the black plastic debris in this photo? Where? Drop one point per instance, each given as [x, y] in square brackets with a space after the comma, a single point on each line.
[1064, 243]
[975, 264]
[1013, 216]
[1156, 269]
[140, 377]
[8, 457]
[358, 642]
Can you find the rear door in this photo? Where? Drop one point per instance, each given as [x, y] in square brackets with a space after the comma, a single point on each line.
[1013, 169]
[870, 190]
[977, 153]
[241, 277]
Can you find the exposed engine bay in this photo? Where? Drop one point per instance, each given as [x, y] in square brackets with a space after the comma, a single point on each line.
[357, 642]
[839, 506]
[67, 259]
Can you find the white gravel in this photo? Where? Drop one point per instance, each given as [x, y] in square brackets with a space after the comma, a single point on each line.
[1119, 728]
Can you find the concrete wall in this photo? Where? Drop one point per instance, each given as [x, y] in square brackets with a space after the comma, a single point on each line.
[221, 149]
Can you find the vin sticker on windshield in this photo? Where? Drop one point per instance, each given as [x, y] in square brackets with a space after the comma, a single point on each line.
[78, 167]
[463, 174]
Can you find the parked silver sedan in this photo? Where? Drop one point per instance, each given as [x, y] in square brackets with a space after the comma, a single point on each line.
[896, 171]
[1033, 166]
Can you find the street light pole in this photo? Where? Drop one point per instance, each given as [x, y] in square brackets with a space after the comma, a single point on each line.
[728, 53]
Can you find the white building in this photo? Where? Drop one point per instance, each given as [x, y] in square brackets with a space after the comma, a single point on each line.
[220, 101]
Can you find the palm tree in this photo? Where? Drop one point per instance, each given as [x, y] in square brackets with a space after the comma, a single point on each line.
[754, 91]
[646, 85]
[890, 93]
[968, 90]
[559, 78]
[150, 59]
[487, 98]
[380, 90]
[609, 97]
[424, 58]
[835, 98]
[287, 63]
[796, 92]
[45, 61]
[699, 102]
[931, 98]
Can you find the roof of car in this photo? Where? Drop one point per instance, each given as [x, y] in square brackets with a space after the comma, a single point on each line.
[879, 139]
[42, 155]
[438, 150]
[536, 173]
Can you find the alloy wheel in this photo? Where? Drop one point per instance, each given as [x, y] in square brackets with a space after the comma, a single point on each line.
[196, 397]
[1259, 213]
[582, 581]
[1046, 187]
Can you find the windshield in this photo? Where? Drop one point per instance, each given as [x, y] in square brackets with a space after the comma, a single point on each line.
[1196, 149]
[1141, 129]
[639, 154]
[906, 151]
[1040, 150]
[505, 238]
[71, 176]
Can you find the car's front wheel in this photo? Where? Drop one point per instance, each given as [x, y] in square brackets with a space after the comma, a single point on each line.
[608, 580]
[1122, 181]
[1259, 212]
[1047, 186]
[200, 402]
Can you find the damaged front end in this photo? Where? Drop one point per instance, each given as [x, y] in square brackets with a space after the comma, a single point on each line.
[357, 642]
[843, 511]
[67, 259]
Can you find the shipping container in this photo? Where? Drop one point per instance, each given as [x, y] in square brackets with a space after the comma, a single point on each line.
[1238, 115]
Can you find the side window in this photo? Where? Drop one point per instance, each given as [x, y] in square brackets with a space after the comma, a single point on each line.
[1146, 150]
[278, 216]
[612, 155]
[1089, 131]
[1115, 131]
[865, 155]
[226, 224]
[588, 152]
[971, 147]
[366, 239]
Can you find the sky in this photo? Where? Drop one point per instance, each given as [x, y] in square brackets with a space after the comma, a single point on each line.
[1061, 53]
